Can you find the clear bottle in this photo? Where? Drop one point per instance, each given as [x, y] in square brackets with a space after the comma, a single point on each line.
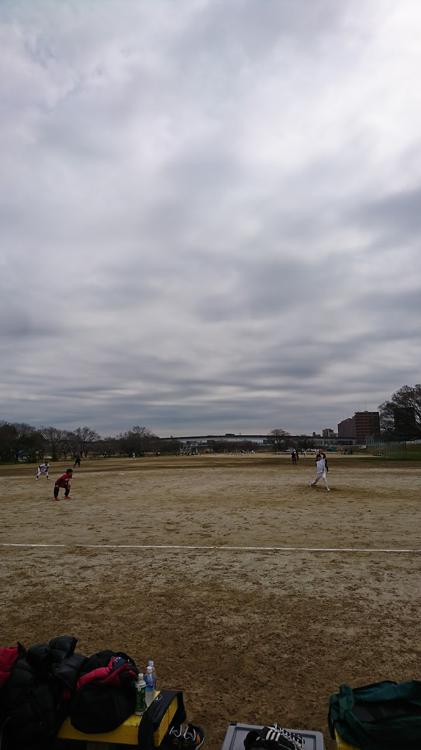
[151, 663]
[150, 684]
[140, 695]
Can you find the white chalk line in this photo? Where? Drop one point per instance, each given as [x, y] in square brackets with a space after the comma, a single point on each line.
[214, 547]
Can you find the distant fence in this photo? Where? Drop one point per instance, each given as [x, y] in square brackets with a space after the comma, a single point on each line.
[388, 450]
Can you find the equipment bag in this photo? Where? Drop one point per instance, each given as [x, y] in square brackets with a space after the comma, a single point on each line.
[106, 694]
[382, 716]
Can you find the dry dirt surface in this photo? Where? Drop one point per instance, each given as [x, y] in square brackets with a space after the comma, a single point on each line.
[249, 633]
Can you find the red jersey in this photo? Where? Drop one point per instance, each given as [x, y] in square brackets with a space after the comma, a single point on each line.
[63, 481]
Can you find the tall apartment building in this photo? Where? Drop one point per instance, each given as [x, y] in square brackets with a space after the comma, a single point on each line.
[346, 428]
[367, 424]
[362, 425]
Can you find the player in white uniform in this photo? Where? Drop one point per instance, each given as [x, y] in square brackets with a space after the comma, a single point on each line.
[42, 471]
[320, 471]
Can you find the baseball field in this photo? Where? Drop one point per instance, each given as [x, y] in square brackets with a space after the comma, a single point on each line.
[254, 593]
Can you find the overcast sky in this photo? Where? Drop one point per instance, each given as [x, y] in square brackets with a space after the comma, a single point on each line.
[210, 212]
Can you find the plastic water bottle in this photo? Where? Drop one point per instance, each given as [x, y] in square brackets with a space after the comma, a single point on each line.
[140, 695]
[150, 684]
[151, 663]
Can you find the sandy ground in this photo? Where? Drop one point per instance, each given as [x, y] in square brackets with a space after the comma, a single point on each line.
[249, 635]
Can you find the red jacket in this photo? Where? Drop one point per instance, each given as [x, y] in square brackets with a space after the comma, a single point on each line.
[8, 657]
[109, 675]
[64, 480]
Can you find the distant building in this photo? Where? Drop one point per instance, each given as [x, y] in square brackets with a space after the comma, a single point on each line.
[367, 424]
[328, 433]
[362, 425]
[346, 428]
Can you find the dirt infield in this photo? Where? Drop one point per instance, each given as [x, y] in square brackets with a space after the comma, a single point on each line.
[249, 635]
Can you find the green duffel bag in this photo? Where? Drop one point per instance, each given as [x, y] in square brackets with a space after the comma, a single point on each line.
[382, 716]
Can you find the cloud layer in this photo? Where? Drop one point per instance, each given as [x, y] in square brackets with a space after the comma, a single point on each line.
[210, 212]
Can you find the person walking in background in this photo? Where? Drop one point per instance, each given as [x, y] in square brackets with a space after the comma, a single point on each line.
[77, 460]
[320, 472]
[294, 456]
[63, 481]
[42, 471]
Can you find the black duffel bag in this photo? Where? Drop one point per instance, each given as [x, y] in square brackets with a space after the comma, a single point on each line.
[106, 694]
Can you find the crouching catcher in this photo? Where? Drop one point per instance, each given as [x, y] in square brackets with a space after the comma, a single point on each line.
[65, 482]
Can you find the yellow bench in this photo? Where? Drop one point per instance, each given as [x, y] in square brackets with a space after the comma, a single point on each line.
[126, 734]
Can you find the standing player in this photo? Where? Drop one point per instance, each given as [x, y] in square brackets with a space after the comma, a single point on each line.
[63, 481]
[320, 471]
[42, 471]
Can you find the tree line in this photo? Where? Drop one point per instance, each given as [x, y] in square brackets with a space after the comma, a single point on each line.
[22, 442]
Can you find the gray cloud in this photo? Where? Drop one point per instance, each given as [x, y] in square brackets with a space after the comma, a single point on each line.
[210, 212]
[396, 213]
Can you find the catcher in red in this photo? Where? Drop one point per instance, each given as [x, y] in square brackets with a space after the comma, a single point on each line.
[63, 481]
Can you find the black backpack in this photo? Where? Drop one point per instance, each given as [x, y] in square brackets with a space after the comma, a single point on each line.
[106, 694]
[382, 716]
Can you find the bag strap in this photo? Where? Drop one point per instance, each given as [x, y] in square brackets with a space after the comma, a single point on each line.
[362, 715]
[345, 700]
[342, 705]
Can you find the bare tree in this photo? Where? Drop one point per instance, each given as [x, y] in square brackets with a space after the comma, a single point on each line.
[277, 438]
[54, 438]
[138, 440]
[29, 441]
[83, 439]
